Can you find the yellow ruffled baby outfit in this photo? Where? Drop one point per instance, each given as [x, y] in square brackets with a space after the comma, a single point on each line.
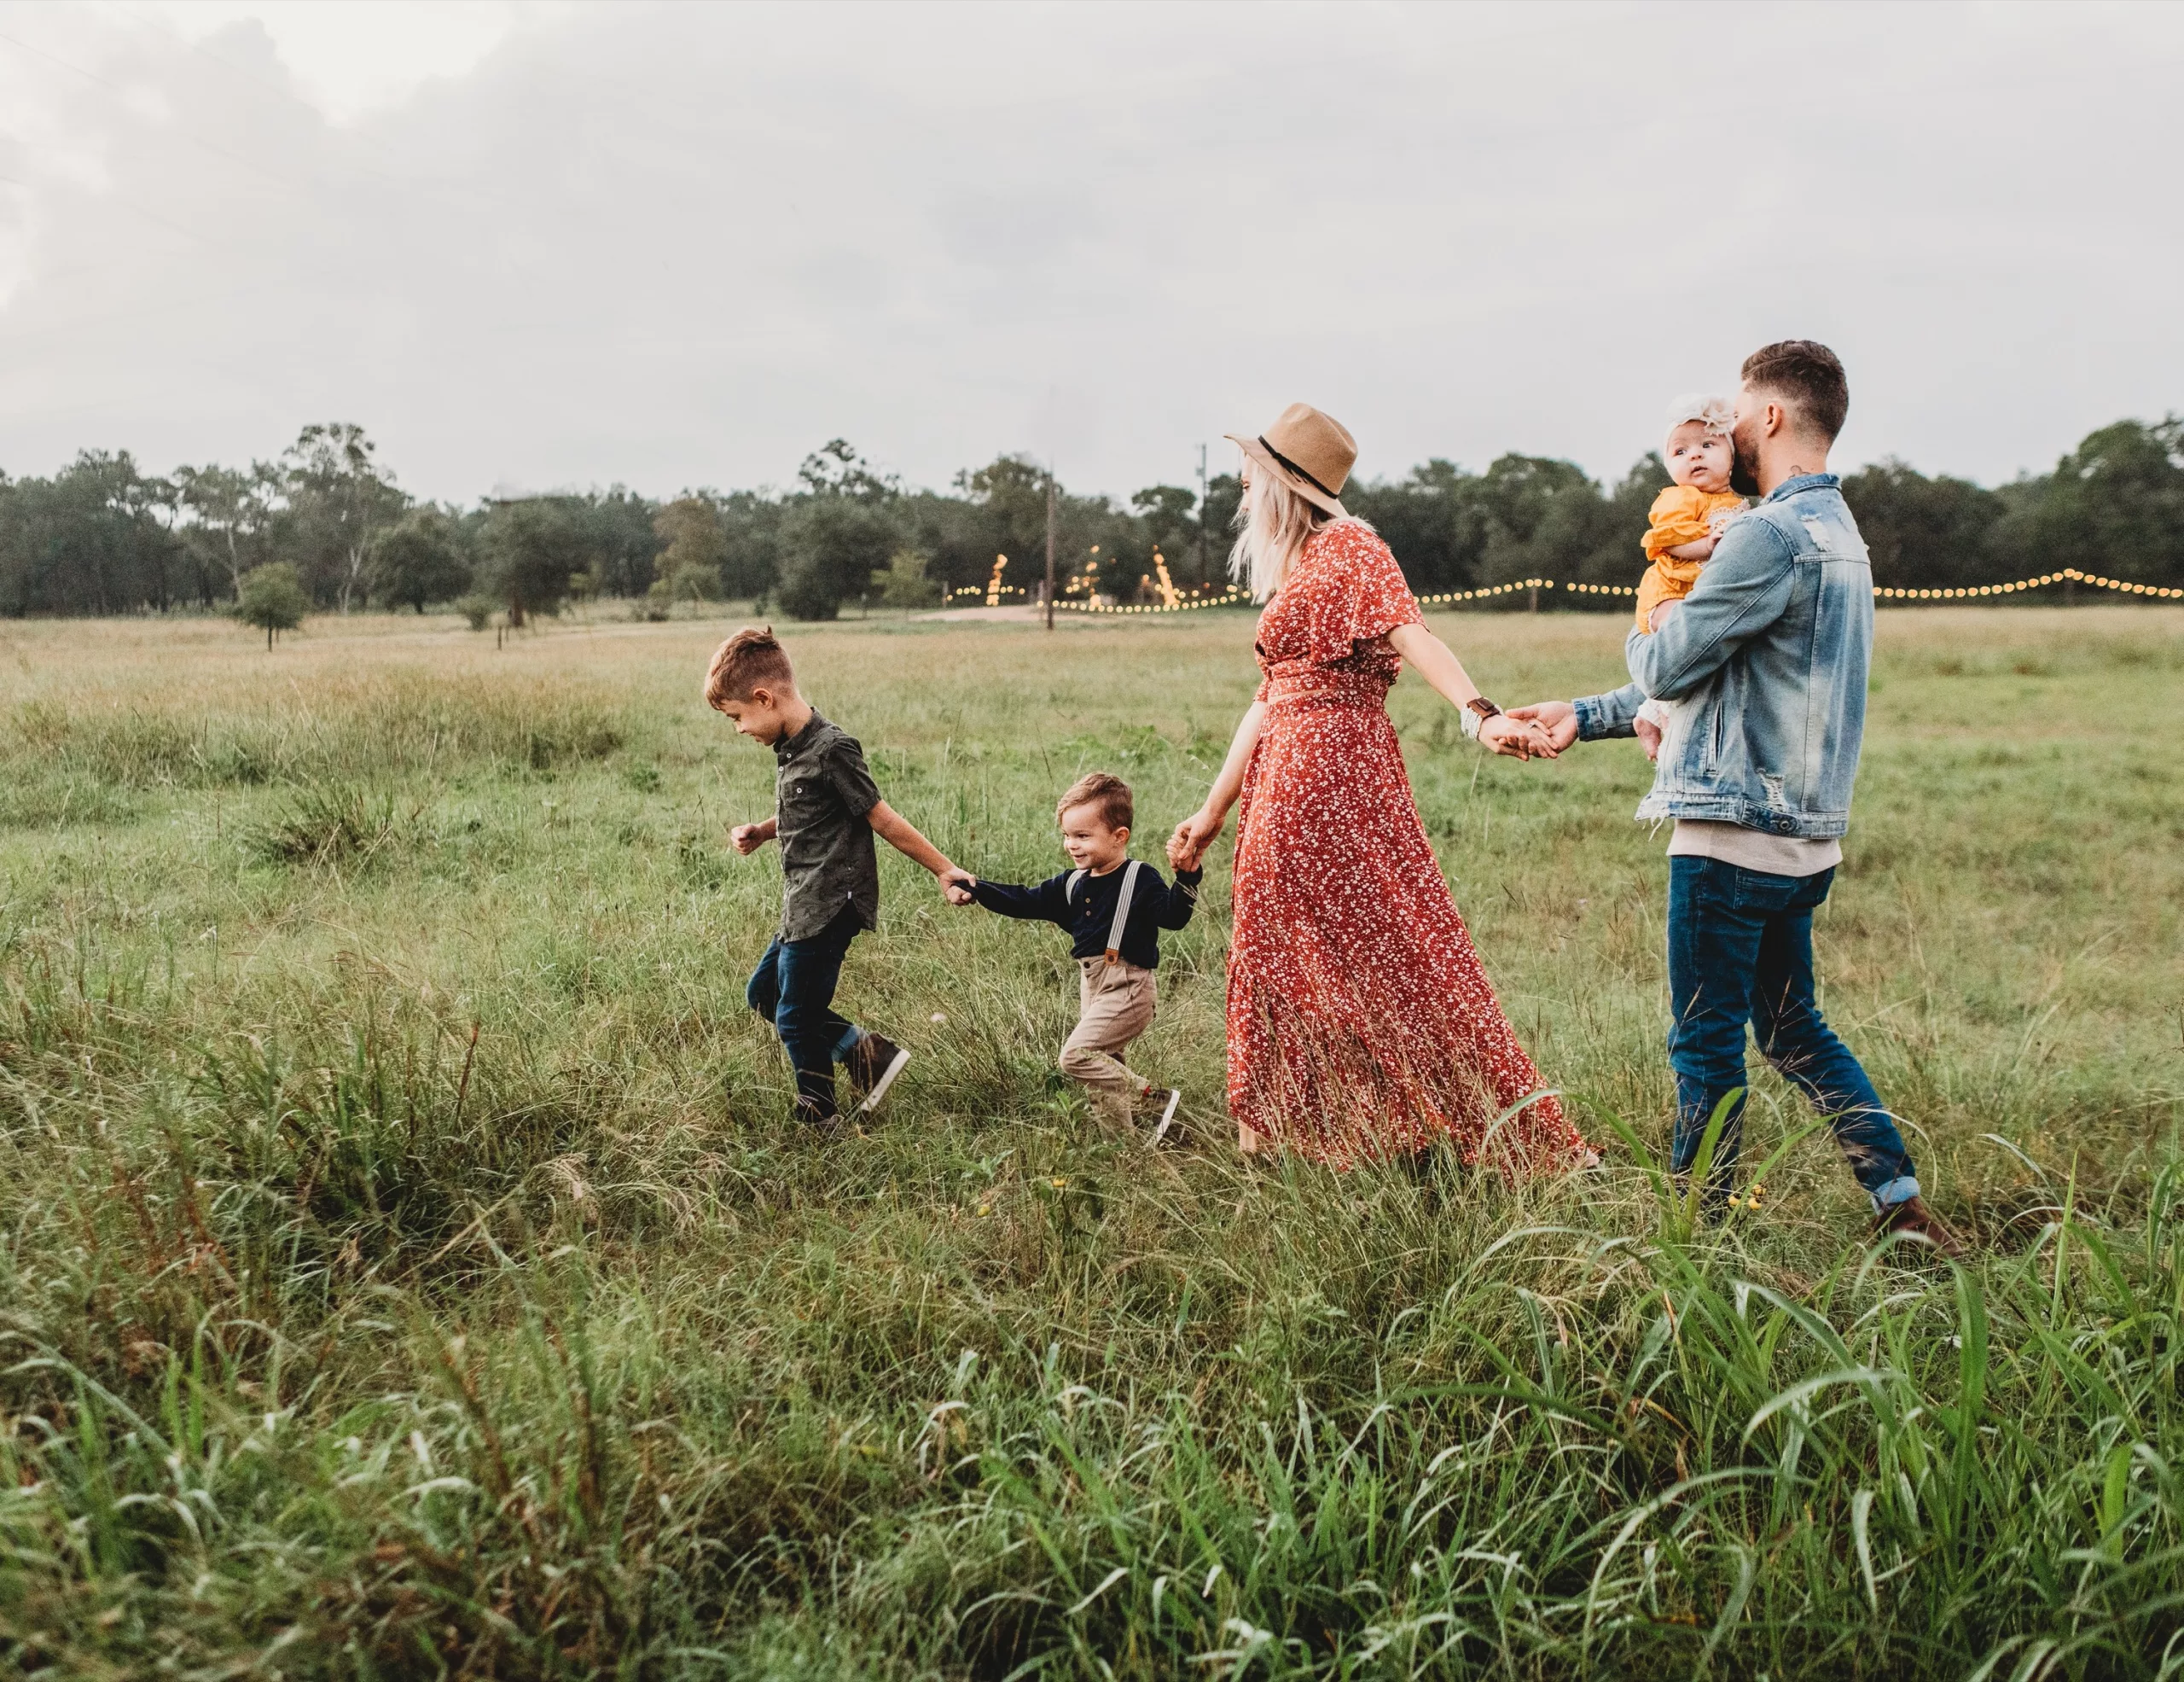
[1681, 515]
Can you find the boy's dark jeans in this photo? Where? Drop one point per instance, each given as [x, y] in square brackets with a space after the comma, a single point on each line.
[793, 988]
[1740, 951]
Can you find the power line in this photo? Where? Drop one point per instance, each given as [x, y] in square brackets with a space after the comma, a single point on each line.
[116, 88]
[129, 203]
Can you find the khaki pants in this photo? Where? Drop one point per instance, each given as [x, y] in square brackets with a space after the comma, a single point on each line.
[1114, 1006]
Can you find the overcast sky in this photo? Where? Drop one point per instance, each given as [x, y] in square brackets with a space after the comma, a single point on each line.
[684, 244]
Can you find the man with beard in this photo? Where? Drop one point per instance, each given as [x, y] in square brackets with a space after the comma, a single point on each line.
[1770, 649]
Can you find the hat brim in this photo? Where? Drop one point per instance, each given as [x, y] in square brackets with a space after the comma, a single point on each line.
[1309, 492]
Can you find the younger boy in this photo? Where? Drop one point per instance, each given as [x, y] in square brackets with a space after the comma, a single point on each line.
[1113, 908]
[826, 811]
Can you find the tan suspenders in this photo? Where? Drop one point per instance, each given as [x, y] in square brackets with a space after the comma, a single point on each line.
[1122, 905]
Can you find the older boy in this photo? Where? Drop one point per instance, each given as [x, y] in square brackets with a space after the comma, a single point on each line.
[826, 811]
[1113, 908]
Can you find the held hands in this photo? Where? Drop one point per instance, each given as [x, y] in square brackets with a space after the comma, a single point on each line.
[1557, 719]
[955, 884]
[1518, 738]
[1196, 833]
[747, 838]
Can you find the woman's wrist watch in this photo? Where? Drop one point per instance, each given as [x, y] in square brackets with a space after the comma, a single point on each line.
[1477, 711]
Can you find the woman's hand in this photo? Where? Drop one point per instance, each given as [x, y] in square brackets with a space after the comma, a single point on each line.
[1193, 836]
[1519, 738]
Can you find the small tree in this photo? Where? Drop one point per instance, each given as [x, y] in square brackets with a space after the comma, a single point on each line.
[903, 583]
[272, 597]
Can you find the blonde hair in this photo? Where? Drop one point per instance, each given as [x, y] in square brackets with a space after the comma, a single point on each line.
[1273, 525]
[1717, 413]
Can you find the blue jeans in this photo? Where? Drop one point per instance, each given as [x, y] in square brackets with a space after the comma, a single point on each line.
[793, 988]
[1741, 952]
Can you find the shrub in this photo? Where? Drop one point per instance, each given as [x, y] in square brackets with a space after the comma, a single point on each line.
[904, 583]
[328, 826]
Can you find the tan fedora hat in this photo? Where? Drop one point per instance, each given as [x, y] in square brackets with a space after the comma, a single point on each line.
[1309, 453]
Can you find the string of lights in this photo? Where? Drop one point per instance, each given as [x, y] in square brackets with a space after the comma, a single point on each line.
[1226, 598]
[1450, 597]
[2071, 573]
[1234, 594]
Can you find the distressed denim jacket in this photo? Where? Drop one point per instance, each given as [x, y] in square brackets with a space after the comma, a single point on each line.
[1769, 653]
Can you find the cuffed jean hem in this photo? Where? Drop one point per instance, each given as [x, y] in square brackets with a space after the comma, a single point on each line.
[847, 1044]
[1901, 1189]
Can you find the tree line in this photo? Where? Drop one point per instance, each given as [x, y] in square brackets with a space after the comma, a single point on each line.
[102, 537]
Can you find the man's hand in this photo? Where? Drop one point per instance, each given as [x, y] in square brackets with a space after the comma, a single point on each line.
[747, 838]
[956, 883]
[1518, 738]
[1559, 718]
[1649, 737]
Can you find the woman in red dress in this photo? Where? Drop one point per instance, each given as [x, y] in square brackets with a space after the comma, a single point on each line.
[1361, 1025]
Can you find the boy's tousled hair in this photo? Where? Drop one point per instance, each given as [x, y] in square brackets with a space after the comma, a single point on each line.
[1807, 374]
[1110, 793]
[752, 659]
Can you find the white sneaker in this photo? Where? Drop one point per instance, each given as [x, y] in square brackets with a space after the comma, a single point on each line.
[1167, 1117]
[872, 1065]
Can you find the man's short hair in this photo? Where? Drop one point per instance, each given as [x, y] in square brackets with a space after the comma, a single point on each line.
[752, 659]
[1110, 793]
[1808, 375]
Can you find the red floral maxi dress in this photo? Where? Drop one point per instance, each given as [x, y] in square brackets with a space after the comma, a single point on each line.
[1360, 1022]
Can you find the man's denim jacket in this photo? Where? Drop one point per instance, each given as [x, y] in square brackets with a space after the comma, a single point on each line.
[1769, 656]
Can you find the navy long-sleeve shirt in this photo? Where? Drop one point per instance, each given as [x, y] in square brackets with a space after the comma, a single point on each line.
[1089, 915]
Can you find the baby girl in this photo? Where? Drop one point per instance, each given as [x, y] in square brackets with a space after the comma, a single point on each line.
[1687, 519]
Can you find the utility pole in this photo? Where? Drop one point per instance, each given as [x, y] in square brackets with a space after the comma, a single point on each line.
[1201, 514]
[1050, 549]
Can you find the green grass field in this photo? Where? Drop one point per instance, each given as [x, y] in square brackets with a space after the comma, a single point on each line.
[408, 1268]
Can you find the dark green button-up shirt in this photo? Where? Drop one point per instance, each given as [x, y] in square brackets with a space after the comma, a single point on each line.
[822, 792]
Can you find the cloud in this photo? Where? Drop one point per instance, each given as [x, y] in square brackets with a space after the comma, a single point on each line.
[346, 58]
[676, 245]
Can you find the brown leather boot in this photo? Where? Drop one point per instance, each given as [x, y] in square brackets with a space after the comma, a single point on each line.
[1912, 1216]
